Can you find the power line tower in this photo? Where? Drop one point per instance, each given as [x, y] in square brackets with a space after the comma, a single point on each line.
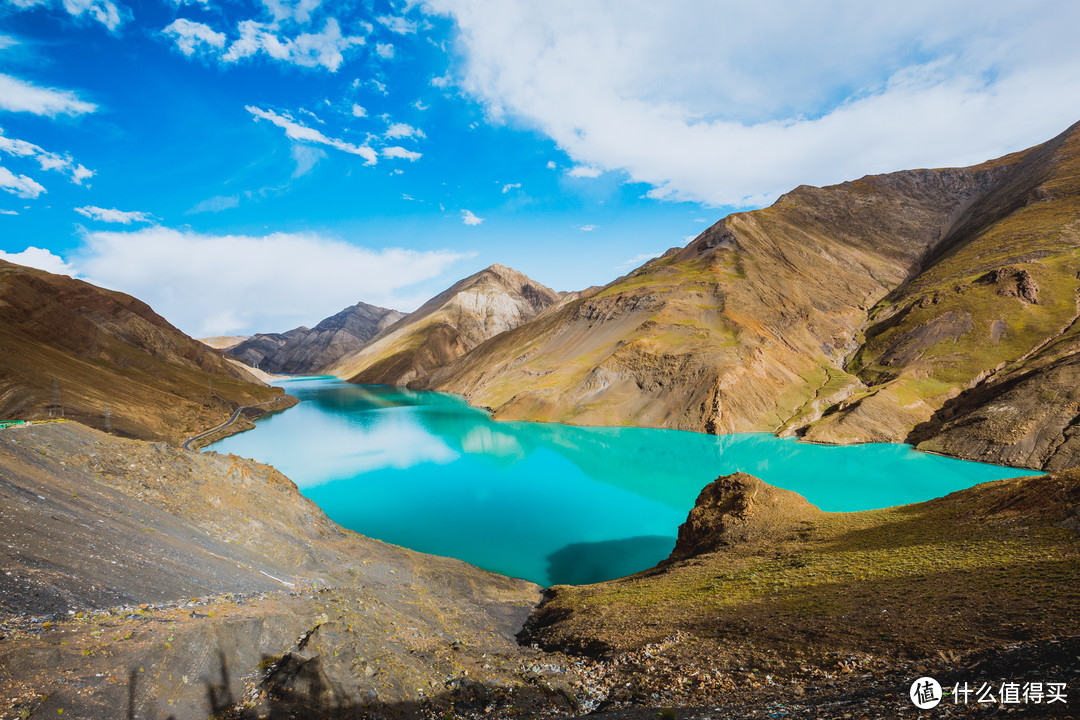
[55, 407]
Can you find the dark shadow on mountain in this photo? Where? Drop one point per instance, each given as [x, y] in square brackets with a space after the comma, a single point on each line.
[298, 686]
[584, 563]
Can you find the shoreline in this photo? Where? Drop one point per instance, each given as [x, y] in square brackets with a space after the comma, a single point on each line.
[238, 422]
[774, 433]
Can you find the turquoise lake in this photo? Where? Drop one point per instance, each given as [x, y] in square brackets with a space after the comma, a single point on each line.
[550, 503]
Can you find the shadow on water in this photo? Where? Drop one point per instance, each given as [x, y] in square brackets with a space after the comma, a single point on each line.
[584, 563]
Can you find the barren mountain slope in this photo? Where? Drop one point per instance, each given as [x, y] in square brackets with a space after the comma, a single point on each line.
[115, 362]
[301, 350]
[142, 580]
[995, 301]
[741, 330]
[849, 313]
[492, 301]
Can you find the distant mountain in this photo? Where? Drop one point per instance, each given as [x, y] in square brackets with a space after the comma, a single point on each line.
[70, 349]
[301, 350]
[481, 306]
[223, 342]
[851, 313]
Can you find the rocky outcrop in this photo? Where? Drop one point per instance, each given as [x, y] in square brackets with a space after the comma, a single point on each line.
[70, 349]
[740, 508]
[850, 313]
[479, 307]
[303, 351]
[1028, 416]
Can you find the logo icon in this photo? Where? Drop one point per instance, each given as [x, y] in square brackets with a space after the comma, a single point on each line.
[925, 693]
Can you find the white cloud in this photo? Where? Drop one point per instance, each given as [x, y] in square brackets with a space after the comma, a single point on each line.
[380, 86]
[114, 215]
[550, 165]
[312, 115]
[306, 158]
[47, 160]
[41, 259]
[469, 218]
[587, 228]
[637, 260]
[584, 171]
[324, 48]
[359, 111]
[298, 10]
[399, 25]
[274, 282]
[510, 186]
[20, 96]
[215, 204]
[9, 212]
[204, 3]
[442, 81]
[19, 185]
[736, 103]
[104, 11]
[384, 50]
[302, 133]
[7, 41]
[401, 130]
[419, 105]
[400, 152]
[189, 34]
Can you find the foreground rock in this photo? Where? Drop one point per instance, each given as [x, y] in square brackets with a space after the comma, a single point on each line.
[303, 351]
[772, 607]
[851, 313]
[455, 321]
[139, 578]
[71, 349]
[740, 508]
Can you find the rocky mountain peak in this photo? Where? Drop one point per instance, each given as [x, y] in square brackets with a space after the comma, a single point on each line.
[303, 350]
[470, 311]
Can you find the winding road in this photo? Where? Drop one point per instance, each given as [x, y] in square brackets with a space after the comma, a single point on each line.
[236, 413]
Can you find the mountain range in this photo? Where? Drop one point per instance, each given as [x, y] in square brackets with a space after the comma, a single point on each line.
[937, 306]
[301, 350]
[930, 306]
[481, 306]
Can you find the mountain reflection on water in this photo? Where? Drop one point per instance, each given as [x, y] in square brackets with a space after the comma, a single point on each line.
[550, 503]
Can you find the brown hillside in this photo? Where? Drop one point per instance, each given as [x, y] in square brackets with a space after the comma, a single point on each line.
[109, 352]
[455, 321]
[849, 313]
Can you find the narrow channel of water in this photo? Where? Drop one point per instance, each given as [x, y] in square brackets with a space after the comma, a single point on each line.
[550, 503]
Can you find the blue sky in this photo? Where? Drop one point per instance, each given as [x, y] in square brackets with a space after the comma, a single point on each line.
[252, 166]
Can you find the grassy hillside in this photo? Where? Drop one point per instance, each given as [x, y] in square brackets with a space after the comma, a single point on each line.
[767, 585]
